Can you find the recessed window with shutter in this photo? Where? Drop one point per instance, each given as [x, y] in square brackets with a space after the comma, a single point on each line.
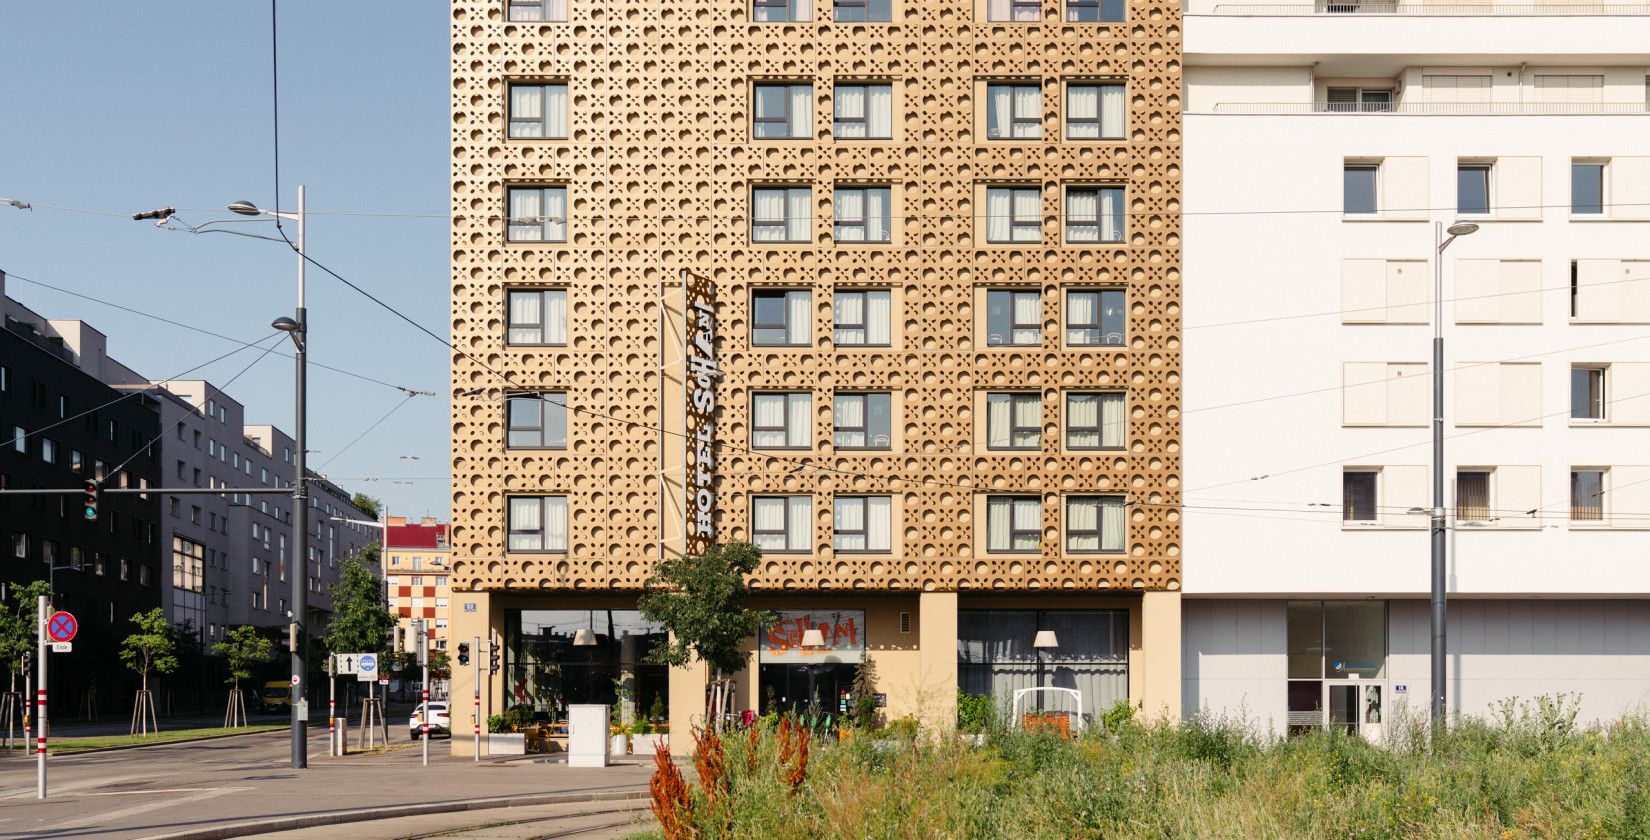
[1569, 90]
[1472, 495]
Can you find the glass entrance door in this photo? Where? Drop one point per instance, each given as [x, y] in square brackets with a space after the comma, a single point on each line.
[1354, 707]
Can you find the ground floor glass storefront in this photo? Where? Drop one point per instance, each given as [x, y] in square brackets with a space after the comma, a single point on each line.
[810, 680]
[997, 654]
[1337, 665]
[546, 670]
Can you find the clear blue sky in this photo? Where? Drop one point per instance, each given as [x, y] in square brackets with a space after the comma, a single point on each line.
[126, 107]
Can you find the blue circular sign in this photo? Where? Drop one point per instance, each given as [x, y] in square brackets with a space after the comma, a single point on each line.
[368, 663]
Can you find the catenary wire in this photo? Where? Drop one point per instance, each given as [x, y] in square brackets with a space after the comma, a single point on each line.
[393, 409]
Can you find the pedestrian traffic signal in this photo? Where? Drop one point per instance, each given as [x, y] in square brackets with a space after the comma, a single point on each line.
[463, 653]
[88, 500]
[492, 659]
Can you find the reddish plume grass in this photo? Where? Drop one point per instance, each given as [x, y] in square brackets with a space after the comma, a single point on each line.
[671, 806]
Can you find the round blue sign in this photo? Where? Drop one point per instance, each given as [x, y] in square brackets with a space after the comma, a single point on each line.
[368, 663]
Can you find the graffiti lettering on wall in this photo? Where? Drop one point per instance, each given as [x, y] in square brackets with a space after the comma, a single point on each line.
[843, 631]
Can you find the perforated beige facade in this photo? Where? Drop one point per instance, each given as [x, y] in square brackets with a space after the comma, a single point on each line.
[664, 154]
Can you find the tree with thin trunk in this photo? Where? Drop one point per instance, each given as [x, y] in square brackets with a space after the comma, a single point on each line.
[241, 648]
[367, 504]
[360, 623]
[701, 601]
[18, 635]
[149, 649]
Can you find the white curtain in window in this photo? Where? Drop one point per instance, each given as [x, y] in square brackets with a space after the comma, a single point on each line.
[1111, 420]
[555, 316]
[998, 221]
[768, 514]
[850, 411]
[555, 110]
[525, 516]
[800, 530]
[879, 523]
[1082, 414]
[555, 10]
[770, 207]
[1027, 14]
[997, 10]
[996, 421]
[876, 215]
[800, 430]
[555, 211]
[802, 108]
[555, 523]
[850, 208]
[1082, 515]
[998, 517]
[1080, 308]
[848, 308]
[798, 204]
[524, 216]
[1028, 412]
[1082, 210]
[1028, 104]
[1028, 516]
[1112, 116]
[802, 10]
[1082, 103]
[769, 411]
[1028, 309]
[879, 111]
[850, 516]
[850, 104]
[1113, 530]
[1111, 215]
[1028, 207]
[878, 317]
[1000, 111]
[526, 111]
[524, 310]
[799, 320]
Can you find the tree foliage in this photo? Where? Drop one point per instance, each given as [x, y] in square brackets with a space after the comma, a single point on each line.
[242, 648]
[151, 648]
[17, 622]
[368, 504]
[360, 623]
[701, 601]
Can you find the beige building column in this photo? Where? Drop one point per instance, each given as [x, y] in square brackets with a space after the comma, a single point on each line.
[1160, 655]
[687, 705]
[936, 695]
[465, 627]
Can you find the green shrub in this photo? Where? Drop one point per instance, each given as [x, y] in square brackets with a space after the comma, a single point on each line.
[1117, 716]
[495, 723]
[976, 713]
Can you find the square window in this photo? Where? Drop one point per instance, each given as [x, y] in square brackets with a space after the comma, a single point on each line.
[536, 421]
[783, 111]
[1014, 11]
[1587, 495]
[1587, 393]
[863, 523]
[781, 421]
[781, 318]
[1472, 189]
[1586, 188]
[781, 214]
[1094, 214]
[1013, 318]
[537, 214]
[1094, 11]
[862, 421]
[538, 112]
[1013, 421]
[1359, 183]
[861, 214]
[538, 10]
[862, 318]
[1094, 317]
[1013, 214]
[1095, 112]
[863, 112]
[1472, 495]
[1094, 421]
[863, 11]
[1358, 496]
[1013, 524]
[782, 523]
[538, 523]
[1013, 112]
[1095, 524]
[537, 317]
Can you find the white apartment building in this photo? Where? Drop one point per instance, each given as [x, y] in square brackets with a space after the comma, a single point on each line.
[1326, 146]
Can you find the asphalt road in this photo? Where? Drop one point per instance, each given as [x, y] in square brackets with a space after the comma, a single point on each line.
[174, 788]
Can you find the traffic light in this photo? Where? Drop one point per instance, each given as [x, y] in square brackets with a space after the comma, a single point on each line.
[492, 659]
[463, 653]
[88, 500]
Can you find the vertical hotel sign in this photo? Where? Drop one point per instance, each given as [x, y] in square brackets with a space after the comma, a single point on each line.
[699, 314]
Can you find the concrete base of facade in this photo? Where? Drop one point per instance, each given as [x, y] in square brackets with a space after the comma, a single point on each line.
[1236, 656]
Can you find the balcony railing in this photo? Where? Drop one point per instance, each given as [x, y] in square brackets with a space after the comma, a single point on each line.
[1431, 108]
[1355, 8]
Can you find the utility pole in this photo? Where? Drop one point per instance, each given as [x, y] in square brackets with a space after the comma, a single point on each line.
[424, 661]
[41, 611]
[477, 662]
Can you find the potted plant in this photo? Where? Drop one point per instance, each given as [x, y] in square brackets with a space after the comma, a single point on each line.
[645, 739]
[500, 739]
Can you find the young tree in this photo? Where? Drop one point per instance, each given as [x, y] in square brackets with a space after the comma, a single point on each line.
[701, 601]
[149, 649]
[242, 648]
[368, 504]
[360, 623]
[17, 624]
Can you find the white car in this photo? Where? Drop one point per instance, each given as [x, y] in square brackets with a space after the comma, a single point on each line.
[439, 722]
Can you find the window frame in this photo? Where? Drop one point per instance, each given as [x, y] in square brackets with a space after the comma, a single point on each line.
[1099, 121]
[1603, 479]
[864, 190]
[1599, 401]
[1347, 506]
[545, 5]
[1016, 120]
[544, 509]
[1099, 223]
[1099, 427]
[1602, 167]
[543, 122]
[757, 119]
[784, 324]
[1487, 507]
[785, 420]
[1015, 223]
[788, 7]
[863, 325]
[1011, 324]
[543, 398]
[1488, 174]
[784, 222]
[864, 531]
[867, 430]
[544, 222]
[1014, 400]
[1098, 326]
[542, 325]
[1100, 7]
[864, 118]
[1012, 499]
[785, 524]
[1374, 170]
[1098, 500]
[862, 4]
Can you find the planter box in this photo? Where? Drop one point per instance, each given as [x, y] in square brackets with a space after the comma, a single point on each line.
[620, 745]
[649, 744]
[506, 743]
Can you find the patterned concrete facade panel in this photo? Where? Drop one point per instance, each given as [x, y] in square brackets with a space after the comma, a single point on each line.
[659, 168]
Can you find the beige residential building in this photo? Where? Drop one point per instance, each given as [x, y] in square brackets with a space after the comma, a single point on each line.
[914, 266]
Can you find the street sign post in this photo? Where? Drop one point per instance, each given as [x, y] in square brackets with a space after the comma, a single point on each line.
[61, 627]
[346, 663]
[366, 667]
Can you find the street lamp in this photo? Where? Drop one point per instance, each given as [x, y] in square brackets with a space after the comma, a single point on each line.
[298, 328]
[1437, 512]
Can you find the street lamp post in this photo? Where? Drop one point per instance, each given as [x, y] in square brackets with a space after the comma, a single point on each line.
[298, 630]
[1439, 526]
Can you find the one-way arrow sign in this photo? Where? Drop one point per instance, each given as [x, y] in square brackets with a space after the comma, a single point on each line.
[346, 663]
